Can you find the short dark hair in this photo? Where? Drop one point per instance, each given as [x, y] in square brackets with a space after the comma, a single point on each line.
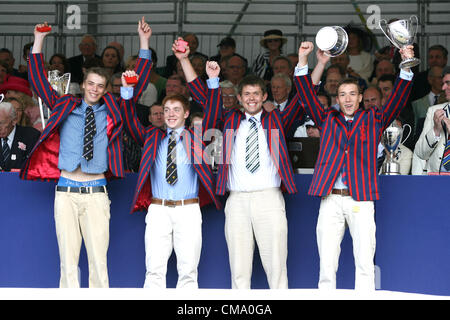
[349, 81]
[445, 71]
[387, 77]
[439, 47]
[252, 80]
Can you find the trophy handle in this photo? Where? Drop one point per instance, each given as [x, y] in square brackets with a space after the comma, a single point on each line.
[414, 26]
[409, 132]
[381, 27]
[1, 97]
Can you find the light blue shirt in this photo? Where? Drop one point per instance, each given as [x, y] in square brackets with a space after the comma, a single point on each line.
[187, 185]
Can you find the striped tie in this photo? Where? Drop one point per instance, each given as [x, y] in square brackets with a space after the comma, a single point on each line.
[89, 132]
[446, 161]
[252, 148]
[6, 151]
[344, 168]
[171, 172]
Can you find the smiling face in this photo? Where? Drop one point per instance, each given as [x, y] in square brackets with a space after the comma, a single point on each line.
[252, 98]
[175, 114]
[446, 86]
[94, 87]
[348, 98]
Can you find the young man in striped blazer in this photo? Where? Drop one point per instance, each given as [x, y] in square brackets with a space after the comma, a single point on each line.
[255, 168]
[345, 175]
[174, 181]
[81, 148]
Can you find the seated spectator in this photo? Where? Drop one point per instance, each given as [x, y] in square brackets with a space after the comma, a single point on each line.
[18, 104]
[156, 116]
[150, 94]
[199, 64]
[372, 97]
[16, 141]
[88, 48]
[7, 56]
[386, 84]
[343, 60]
[227, 47]
[280, 86]
[332, 80]
[272, 41]
[111, 60]
[23, 68]
[420, 106]
[384, 66]
[235, 68]
[294, 58]
[229, 95]
[121, 50]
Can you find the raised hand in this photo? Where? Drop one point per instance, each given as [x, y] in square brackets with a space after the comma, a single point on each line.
[128, 74]
[179, 54]
[145, 32]
[303, 51]
[42, 29]
[322, 57]
[212, 69]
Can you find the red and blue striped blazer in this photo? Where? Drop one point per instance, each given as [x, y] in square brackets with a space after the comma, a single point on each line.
[357, 146]
[274, 122]
[149, 138]
[43, 161]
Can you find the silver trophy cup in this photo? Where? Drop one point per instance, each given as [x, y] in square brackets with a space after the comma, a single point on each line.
[59, 83]
[391, 139]
[332, 40]
[401, 33]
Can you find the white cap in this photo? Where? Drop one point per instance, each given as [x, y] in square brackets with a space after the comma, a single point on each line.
[326, 38]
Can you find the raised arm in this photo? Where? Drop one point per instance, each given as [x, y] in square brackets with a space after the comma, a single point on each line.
[400, 93]
[144, 62]
[127, 106]
[36, 69]
[305, 86]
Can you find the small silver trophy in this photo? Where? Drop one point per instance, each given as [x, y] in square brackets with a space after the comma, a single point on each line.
[391, 139]
[401, 33]
[332, 40]
[59, 83]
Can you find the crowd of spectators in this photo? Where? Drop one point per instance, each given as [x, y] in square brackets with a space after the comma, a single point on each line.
[376, 73]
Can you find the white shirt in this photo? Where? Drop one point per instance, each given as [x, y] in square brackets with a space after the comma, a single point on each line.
[281, 105]
[239, 178]
[10, 137]
[431, 96]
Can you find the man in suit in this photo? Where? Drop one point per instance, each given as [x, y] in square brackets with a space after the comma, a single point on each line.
[87, 47]
[174, 180]
[433, 145]
[81, 148]
[345, 175]
[16, 141]
[420, 106]
[254, 170]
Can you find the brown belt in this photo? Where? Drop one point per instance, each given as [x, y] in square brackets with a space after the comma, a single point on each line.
[174, 203]
[342, 192]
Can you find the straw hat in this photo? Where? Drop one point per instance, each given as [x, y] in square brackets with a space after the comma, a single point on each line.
[272, 34]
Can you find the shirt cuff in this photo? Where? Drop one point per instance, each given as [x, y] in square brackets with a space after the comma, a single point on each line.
[126, 93]
[406, 75]
[145, 54]
[213, 83]
[301, 71]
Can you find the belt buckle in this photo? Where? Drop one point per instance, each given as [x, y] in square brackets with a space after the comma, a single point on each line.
[83, 190]
[170, 203]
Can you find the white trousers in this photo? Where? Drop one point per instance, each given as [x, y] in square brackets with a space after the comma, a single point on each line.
[167, 229]
[335, 212]
[82, 217]
[259, 215]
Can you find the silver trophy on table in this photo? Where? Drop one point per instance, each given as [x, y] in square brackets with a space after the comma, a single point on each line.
[332, 40]
[401, 33]
[391, 139]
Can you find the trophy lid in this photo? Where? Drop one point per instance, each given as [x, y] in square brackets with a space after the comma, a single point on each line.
[326, 38]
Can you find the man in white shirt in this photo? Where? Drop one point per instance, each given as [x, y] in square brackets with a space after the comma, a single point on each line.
[433, 144]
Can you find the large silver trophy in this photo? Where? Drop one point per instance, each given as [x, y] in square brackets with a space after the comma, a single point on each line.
[60, 84]
[391, 139]
[332, 40]
[401, 33]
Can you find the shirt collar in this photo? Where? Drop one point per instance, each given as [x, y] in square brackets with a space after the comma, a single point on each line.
[256, 116]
